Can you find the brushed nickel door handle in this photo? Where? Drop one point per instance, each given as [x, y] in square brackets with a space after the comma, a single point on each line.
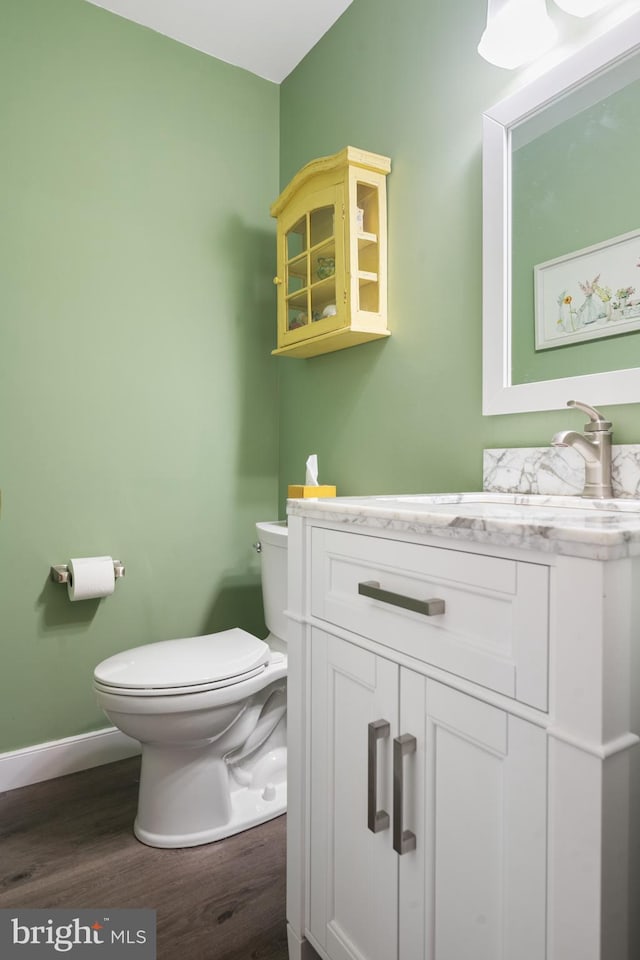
[403, 840]
[430, 608]
[377, 820]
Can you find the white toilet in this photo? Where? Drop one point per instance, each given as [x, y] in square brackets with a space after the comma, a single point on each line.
[210, 713]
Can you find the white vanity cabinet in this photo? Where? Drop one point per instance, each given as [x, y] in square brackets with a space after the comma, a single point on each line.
[469, 809]
[461, 716]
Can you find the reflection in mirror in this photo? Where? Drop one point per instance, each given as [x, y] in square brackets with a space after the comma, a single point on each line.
[574, 184]
[560, 175]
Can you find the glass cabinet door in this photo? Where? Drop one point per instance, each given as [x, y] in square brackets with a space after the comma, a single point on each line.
[313, 266]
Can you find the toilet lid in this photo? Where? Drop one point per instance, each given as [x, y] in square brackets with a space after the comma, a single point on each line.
[191, 661]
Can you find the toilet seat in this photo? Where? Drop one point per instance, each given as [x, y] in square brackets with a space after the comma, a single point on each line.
[188, 665]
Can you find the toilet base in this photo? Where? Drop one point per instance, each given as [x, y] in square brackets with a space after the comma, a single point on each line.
[248, 809]
[193, 789]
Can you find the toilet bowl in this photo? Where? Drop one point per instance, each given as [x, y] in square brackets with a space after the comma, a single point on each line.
[210, 713]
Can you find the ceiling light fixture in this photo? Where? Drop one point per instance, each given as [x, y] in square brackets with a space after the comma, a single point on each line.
[582, 8]
[517, 31]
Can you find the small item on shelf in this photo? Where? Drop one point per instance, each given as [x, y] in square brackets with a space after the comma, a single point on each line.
[360, 219]
[330, 310]
[326, 267]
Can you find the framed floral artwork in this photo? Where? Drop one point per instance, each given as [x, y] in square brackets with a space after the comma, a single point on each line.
[588, 294]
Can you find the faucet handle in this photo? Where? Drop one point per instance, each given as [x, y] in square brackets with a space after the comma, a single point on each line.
[596, 419]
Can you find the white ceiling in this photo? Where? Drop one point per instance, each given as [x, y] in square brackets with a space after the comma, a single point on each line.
[267, 37]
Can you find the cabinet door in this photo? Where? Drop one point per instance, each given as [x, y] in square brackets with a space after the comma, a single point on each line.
[312, 266]
[354, 872]
[475, 887]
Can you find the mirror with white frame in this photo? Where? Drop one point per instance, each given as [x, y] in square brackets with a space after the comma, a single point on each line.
[561, 233]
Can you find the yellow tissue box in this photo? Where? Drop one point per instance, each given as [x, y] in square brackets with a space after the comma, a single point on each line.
[302, 490]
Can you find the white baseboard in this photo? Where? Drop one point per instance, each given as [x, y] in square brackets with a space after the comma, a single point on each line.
[44, 761]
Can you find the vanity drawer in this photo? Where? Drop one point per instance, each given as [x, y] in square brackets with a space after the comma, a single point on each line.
[494, 628]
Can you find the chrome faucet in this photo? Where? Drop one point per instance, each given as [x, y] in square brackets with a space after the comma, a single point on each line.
[595, 448]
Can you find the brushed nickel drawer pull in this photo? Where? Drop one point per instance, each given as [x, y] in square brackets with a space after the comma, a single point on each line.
[376, 819]
[403, 840]
[430, 608]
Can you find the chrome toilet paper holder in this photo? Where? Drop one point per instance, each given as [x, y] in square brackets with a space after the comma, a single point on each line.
[60, 572]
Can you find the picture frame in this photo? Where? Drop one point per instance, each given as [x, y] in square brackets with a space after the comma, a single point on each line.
[589, 293]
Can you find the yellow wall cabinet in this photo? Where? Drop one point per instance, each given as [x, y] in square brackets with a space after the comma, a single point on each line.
[332, 254]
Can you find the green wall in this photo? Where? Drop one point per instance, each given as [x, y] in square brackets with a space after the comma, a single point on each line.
[137, 395]
[404, 415]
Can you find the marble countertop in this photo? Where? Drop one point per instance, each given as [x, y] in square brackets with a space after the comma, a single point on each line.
[568, 525]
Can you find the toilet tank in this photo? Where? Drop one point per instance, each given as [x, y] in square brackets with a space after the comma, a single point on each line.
[272, 536]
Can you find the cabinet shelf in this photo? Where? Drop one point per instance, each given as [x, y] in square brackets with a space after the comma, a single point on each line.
[327, 247]
[331, 240]
[327, 283]
[364, 239]
[298, 266]
[298, 300]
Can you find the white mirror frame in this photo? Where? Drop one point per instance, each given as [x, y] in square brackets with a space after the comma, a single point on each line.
[499, 394]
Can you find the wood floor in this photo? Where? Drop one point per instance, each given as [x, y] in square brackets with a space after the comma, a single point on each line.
[68, 843]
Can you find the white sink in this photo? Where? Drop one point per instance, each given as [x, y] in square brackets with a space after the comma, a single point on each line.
[512, 506]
